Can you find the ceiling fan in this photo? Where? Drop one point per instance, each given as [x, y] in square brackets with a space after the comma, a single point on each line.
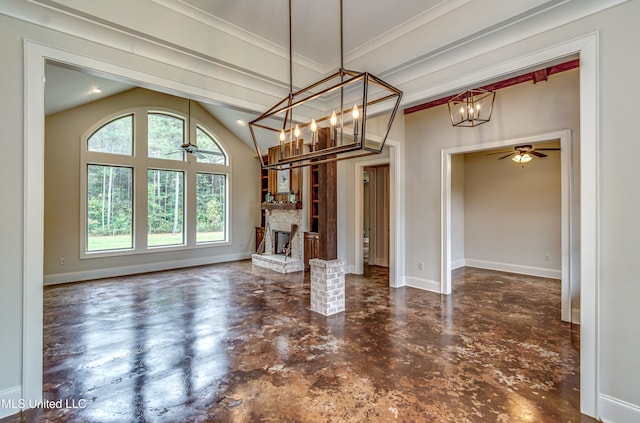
[523, 153]
[190, 148]
[193, 149]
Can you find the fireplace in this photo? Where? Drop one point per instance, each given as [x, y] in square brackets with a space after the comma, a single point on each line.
[281, 243]
[283, 235]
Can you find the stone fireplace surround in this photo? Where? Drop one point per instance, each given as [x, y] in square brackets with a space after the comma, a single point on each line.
[281, 220]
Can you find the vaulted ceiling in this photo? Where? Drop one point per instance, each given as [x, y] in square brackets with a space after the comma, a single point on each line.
[242, 46]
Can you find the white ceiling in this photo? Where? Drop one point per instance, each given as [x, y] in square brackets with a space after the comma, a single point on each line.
[243, 44]
[315, 24]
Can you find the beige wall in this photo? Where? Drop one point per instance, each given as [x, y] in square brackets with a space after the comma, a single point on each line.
[423, 138]
[521, 110]
[512, 213]
[62, 193]
[618, 201]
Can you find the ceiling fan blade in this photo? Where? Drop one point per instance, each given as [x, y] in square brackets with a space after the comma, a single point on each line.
[504, 157]
[535, 153]
[549, 149]
[213, 153]
[496, 152]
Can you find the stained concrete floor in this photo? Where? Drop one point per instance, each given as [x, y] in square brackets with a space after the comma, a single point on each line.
[237, 343]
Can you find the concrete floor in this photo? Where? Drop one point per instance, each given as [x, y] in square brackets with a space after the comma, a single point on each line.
[237, 343]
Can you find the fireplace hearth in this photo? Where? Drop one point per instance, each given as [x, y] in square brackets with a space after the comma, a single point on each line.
[283, 242]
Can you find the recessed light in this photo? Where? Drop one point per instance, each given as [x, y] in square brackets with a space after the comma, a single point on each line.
[96, 90]
[240, 122]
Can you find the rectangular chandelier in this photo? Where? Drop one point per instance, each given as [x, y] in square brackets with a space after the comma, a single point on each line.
[472, 107]
[339, 106]
[326, 121]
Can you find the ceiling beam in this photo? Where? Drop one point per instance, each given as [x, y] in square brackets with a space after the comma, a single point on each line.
[535, 76]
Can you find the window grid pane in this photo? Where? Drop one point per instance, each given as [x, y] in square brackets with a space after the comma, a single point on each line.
[116, 137]
[166, 136]
[165, 205]
[208, 149]
[210, 207]
[109, 208]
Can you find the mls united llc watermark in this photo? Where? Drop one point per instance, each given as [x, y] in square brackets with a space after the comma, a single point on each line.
[22, 404]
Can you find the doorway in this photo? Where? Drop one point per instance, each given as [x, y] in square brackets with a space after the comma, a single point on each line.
[570, 263]
[586, 46]
[376, 215]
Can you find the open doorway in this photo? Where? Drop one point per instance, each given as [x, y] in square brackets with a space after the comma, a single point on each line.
[586, 46]
[568, 262]
[376, 215]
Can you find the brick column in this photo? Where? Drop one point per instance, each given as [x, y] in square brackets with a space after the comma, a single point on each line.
[327, 286]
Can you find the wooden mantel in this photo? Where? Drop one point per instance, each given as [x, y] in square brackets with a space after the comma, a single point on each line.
[282, 206]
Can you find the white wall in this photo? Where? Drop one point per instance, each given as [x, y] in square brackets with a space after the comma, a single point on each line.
[11, 216]
[618, 340]
[62, 194]
[458, 177]
[618, 60]
[524, 109]
[513, 212]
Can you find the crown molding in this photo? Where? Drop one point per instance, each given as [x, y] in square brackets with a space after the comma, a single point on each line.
[216, 23]
[418, 21]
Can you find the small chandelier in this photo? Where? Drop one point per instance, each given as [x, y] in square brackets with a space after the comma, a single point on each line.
[471, 108]
[325, 121]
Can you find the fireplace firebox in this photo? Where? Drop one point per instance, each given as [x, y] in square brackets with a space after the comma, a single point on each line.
[281, 242]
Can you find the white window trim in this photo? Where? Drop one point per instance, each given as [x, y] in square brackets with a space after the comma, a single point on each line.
[141, 163]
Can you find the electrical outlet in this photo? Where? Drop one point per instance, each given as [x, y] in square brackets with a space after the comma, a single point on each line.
[420, 265]
[547, 258]
[63, 261]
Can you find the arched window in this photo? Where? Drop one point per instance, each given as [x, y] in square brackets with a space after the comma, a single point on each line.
[185, 178]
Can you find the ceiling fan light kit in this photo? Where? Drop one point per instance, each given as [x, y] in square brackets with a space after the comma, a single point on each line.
[522, 158]
[325, 121]
[523, 154]
[471, 108]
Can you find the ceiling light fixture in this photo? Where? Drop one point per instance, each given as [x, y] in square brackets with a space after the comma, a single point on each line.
[471, 108]
[330, 119]
[522, 158]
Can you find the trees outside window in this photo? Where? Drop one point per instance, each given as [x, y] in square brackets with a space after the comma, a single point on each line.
[185, 193]
[210, 211]
[165, 208]
[109, 208]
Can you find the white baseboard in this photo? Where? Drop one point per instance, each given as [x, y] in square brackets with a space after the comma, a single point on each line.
[140, 268]
[9, 400]
[424, 284]
[456, 264]
[514, 268]
[614, 410]
[398, 283]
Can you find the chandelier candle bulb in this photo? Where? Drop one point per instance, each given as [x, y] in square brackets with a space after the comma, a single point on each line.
[314, 128]
[333, 121]
[282, 138]
[356, 114]
[296, 132]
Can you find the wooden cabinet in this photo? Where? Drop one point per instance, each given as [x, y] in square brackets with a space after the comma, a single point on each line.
[311, 240]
